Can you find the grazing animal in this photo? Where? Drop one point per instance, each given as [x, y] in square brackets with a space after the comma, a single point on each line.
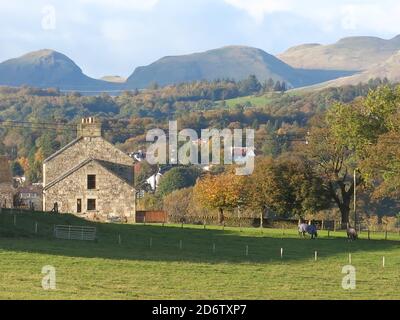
[352, 234]
[311, 229]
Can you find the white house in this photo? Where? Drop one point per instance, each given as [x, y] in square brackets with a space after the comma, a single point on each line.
[154, 180]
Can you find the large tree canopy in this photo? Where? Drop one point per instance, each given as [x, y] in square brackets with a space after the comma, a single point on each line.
[221, 192]
[178, 178]
[287, 186]
[371, 128]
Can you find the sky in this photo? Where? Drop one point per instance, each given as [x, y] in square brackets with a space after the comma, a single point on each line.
[113, 37]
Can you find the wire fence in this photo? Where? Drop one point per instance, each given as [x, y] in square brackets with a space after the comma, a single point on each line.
[322, 225]
[21, 224]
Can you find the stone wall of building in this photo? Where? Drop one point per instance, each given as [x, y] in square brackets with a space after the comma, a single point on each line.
[85, 148]
[6, 195]
[5, 171]
[6, 187]
[113, 196]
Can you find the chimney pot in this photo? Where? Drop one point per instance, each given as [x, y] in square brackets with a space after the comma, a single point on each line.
[89, 128]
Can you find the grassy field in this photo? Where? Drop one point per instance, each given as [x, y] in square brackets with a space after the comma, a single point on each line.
[150, 262]
[258, 101]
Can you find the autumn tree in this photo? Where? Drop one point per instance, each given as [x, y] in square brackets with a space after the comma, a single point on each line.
[177, 203]
[381, 169]
[221, 192]
[286, 186]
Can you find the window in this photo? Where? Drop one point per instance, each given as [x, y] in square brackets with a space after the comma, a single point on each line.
[91, 204]
[79, 205]
[91, 181]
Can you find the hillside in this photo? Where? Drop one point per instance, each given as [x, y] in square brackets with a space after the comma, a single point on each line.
[353, 53]
[389, 69]
[233, 62]
[48, 68]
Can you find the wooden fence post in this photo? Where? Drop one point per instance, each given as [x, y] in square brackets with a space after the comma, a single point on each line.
[369, 238]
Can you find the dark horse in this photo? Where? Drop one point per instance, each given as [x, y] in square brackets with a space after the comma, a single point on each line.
[310, 228]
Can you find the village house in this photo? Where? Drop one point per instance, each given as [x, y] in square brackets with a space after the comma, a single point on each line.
[6, 184]
[90, 177]
[30, 197]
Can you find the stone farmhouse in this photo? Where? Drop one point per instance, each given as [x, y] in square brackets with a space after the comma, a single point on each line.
[90, 177]
[6, 184]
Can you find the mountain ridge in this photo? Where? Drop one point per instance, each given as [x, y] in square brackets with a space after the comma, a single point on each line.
[47, 68]
[347, 60]
[356, 53]
[233, 62]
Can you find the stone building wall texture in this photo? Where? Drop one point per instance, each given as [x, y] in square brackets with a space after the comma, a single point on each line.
[6, 189]
[6, 196]
[113, 196]
[83, 149]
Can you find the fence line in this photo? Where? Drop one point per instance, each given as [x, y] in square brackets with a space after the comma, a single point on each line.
[278, 223]
[290, 225]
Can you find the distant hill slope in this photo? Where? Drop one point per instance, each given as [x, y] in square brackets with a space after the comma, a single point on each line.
[389, 69]
[48, 68]
[353, 53]
[233, 62]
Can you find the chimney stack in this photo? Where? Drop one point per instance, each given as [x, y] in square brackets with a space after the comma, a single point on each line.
[89, 128]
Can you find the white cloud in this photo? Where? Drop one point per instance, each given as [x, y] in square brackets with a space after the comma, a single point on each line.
[367, 15]
[377, 17]
[259, 8]
[135, 5]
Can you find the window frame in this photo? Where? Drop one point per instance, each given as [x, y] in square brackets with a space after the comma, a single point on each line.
[91, 181]
[79, 205]
[90, 207]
